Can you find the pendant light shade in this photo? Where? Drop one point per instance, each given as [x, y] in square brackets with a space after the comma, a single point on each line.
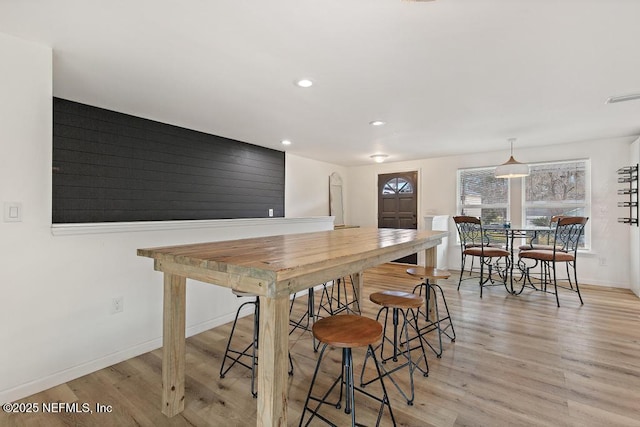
[512, 168]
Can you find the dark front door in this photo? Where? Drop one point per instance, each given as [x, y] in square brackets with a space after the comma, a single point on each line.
[398, 203]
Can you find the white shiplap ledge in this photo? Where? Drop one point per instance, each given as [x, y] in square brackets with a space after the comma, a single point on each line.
[146, 226]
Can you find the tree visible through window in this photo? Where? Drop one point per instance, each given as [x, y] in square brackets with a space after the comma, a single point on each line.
[558, 188]
[482, 195]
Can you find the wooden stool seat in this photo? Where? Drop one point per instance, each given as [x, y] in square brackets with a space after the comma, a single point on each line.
[347, 331]
[430, 273]
[397, 299]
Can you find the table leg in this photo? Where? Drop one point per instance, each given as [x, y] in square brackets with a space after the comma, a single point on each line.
[431, 257]
[273, 343]
[173, 345]
[431, 260]
[358, 285]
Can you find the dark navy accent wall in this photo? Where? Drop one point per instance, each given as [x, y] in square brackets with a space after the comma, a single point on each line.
[109, 166]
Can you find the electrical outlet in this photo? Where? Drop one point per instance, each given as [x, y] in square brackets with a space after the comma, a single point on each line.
[270, 212]
[117, 305]
[12, 212]
[602, 261]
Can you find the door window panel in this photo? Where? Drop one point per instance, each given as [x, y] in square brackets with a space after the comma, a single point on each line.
[397, 186]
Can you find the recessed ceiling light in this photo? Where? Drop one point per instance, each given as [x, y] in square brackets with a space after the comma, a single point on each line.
[379, 158]
[286, 142]
[377, 123]
[622, 98]
[304, 83]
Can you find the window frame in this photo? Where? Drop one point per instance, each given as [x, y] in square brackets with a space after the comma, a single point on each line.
[587, 203]
[460, 206]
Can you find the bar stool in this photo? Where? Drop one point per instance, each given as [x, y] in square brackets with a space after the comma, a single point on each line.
[346, 331]
[250, 351]
[405, 304]
[429, 276]
[337, 299]
[308, 318]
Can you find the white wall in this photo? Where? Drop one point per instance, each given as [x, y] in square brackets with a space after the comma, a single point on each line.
[57, 288]
[307, 186]
[635, 230]
[437, 195]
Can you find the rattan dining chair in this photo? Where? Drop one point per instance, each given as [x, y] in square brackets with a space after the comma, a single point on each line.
[474, 243]
[564, 249]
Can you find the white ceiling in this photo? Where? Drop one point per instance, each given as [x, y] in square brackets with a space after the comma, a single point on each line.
[448, 77]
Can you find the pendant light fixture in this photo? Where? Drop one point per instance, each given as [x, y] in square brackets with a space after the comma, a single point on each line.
[512, 168]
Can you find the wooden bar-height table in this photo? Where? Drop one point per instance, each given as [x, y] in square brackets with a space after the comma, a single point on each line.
[272, 267]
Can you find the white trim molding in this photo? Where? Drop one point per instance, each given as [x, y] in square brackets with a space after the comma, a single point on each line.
[128, 227]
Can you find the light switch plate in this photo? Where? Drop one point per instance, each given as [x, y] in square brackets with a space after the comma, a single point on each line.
[12, 212]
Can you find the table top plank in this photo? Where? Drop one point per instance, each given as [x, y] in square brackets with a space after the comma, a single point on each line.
[253, 263]
[276, 253]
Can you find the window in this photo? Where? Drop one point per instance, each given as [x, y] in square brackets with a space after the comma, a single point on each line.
[553, 188]
[397, 186]
[481, 194]
[557, 188]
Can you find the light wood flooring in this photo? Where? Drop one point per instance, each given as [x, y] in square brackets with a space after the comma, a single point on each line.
[517, 361]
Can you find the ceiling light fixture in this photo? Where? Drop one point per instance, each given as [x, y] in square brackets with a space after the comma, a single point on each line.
[622, 98]
[377, 123]
[379, 158]
[512, 168]
[286, 142]
[304, 83]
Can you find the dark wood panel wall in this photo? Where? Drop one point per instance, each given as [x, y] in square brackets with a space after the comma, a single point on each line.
[109, 166]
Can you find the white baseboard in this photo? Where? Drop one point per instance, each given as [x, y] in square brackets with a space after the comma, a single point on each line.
[69, 374]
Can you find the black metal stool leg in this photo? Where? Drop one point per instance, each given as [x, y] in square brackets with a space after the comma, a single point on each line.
[306, 408]
[385, 395]
[229, 350]
[346, 380]
[395, 334]
[338, 300]
[435, 324]
[254, 360]
[250, 351]
[452, 337]
[306, 320]
[347, 362]
[397, 342]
